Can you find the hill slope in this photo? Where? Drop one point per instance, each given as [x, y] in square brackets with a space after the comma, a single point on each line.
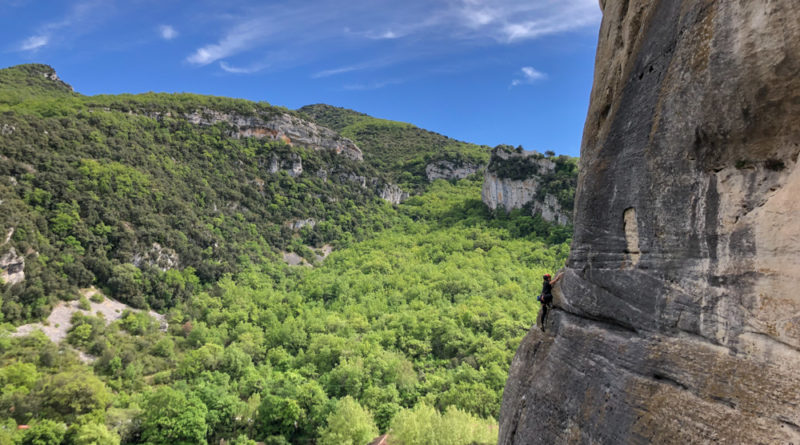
[402, 150]
[182, 203]
[126, 191]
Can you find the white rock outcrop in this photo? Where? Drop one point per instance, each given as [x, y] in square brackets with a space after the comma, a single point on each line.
[277, 126]
[509, 193]
[393, 194]
[12, 267]
[450, 170]
[159, 256]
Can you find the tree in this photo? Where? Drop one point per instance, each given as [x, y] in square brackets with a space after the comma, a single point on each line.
[279, 416]
[95, 434]
[44, 432]
[72, 393]
[170, 417]
[423, 425]
[127, 284]
[348, 424]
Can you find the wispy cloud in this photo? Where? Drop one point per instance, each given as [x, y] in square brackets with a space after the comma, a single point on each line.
[388, 35]
[33, 43]
[74, 23]
[372, 85]
[242, 37]
[529, 75]
[367, 65]
[335, 71]
[419, 26]
[240, 70]
[167, 32]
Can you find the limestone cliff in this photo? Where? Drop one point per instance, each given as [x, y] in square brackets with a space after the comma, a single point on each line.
[276, 126]
[448, 170]
[678, 320]
[515, 180]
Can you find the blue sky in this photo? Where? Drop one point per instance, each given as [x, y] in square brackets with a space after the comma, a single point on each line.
[483, 71]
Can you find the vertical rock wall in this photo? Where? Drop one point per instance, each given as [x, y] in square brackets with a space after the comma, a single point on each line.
[515, 180]
[678, 320]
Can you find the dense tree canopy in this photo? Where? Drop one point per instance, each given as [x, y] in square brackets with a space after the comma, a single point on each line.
[409, 325]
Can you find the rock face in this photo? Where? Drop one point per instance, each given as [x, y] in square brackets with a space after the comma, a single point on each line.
[161, 257]
[12, 267]
[678, 319]
[278, 126]
[450, 170]
[513, 180]
[393, 194]
[292, 165]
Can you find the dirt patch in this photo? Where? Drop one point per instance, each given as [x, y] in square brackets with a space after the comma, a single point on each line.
[320, 254]
[59, 321]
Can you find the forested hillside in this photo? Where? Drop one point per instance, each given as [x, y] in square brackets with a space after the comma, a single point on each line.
[400, 149]
[409, 326]
[92, 186]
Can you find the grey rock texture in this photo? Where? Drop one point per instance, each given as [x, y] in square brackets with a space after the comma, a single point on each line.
[678, 319]
[300, 223]
[292, 165]
[50, 74]
[12, 267]
[159, 256]
[509, 193]
[450, 170]
[277, 126]
[393, 194]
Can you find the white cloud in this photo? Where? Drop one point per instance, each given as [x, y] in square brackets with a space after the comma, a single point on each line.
[240, 38]
[34, 42]
[240, 70]
[420, 29]
[80, 19]
[372, 85]
[368, 65]
[335, 71]
[388, 35]
[529, 75]
[167, 32]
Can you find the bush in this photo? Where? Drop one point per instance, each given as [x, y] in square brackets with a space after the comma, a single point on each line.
[348, 424]
[84, 304]
[44, 432]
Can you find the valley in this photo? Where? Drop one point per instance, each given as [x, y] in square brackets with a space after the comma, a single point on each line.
[194, 269]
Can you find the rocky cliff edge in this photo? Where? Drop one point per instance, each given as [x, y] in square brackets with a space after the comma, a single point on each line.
[678, 320]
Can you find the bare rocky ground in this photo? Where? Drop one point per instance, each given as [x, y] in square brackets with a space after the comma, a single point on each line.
[59, 322]
[294, 259]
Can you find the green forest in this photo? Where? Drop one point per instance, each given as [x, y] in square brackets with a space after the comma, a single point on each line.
[408, 327]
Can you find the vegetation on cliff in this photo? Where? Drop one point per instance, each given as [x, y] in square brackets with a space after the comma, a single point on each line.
[400, 149]
[410, 324]
[429, 311]
[557, 175]
[89, 189]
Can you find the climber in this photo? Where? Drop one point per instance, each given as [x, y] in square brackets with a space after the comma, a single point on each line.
[546, 298]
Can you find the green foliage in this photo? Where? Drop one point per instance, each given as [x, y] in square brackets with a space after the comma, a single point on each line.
[397, 148]
[172, 417]
[84, 304]
[417, 312]
[45, 432]
[560, 181]
[93, 185]
[24, 82]
[348, 424]
[423, 425]
[18, 376]
[95, 434]
[70, 394]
